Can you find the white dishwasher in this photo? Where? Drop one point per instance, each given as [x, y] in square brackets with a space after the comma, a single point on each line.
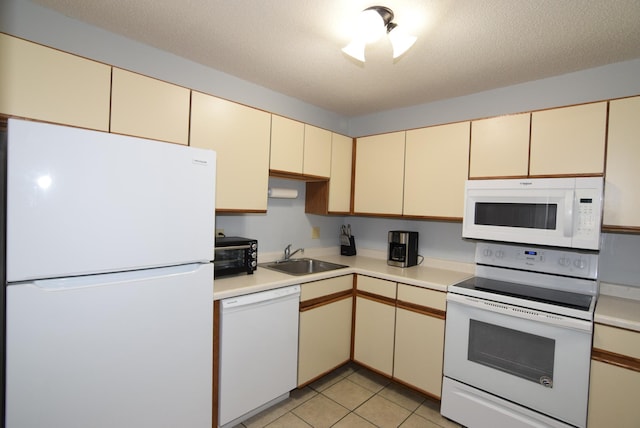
[258, 352]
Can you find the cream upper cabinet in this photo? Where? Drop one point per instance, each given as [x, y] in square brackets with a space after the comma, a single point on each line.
[149, 108]
[240, 136]
[326, 308]
[40, 83]
[287, 144]
[500, 146]
[340, 182]
[317, 152]
[379, 174]
[622, 198]
[299, 148]
[436, 166]
[569, 140]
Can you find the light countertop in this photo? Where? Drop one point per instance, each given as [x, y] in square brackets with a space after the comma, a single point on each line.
[618, 306]
[433, 274]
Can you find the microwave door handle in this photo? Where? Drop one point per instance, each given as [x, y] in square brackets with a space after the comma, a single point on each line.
[568, 213]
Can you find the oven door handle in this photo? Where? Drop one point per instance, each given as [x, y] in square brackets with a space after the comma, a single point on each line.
[520, 312]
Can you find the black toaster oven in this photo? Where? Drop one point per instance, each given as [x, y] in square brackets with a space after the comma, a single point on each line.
[235, 255]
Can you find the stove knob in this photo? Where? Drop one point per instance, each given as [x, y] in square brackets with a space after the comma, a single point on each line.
[579, 263]
[487, 252]
[499, 254]
[564, 261]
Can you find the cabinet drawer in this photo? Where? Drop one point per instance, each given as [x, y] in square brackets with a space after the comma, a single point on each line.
[325, 287]
[422, 296]
[377, 286]
[620, 341]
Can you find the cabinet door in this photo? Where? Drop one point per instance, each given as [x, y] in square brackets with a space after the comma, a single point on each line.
[419, 350]
[374, 335]
[613, 396]
[317, 151]
[375, 324]
[340, 181]
[287, 144]
[326, 308]
[622, 199]
[419, 342]
[325, 339]
[500, 146]
[149, 108]
[436, 167]
[240, 136]
[40, 83]
[379, 174]
[569, 140]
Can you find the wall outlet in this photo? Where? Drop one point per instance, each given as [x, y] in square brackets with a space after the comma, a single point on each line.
[219, 232]
[315, 232]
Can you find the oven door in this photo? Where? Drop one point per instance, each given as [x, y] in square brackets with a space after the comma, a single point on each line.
[538, 360]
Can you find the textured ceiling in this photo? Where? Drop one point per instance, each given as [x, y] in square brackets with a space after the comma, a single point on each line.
[293, 46]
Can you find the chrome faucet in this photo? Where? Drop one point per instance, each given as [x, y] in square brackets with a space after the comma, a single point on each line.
[288, 253]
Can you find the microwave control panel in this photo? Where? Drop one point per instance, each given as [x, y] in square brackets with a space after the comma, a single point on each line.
[588, 213]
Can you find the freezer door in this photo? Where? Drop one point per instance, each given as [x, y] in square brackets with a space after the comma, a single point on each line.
[127, 350]
[81, 202]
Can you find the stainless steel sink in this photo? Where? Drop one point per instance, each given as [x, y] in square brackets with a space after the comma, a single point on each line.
[302, 266]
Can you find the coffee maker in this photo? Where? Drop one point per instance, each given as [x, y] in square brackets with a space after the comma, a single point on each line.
[403, 248]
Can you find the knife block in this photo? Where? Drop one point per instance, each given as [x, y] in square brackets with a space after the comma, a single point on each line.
[349, 250]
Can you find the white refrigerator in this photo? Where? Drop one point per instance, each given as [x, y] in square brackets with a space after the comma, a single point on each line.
[109, 280]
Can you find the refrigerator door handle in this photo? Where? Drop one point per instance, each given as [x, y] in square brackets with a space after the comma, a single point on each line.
[78, 282]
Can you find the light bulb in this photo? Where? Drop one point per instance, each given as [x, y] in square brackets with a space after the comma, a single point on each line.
[400, 41]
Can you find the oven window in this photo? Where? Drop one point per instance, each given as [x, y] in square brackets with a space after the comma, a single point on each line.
[521, 354]
[533, 216]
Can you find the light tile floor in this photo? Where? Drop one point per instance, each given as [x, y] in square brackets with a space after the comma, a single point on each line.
[352, 397]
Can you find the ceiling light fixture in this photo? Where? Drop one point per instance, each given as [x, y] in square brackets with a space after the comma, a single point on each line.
[370, 26]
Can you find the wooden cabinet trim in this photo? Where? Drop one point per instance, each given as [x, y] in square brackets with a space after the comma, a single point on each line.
[376, 298]
[295, 176]
[608, 357]
[325, 300]
[620, 229]
[423, 310]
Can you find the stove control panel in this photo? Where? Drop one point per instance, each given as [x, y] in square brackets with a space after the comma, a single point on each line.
[581, 264]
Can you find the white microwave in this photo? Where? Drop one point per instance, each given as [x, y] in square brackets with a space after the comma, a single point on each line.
[559, 212]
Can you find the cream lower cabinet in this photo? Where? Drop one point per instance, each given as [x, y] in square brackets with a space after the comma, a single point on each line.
[41, 83]
[149, 108]
[326, 309]
[375, 324]
[379, 174]
[568, 140]
[399, 332]
[240, 137]
[615, 378]
[435, 170]
[621, 198]
[419, 338]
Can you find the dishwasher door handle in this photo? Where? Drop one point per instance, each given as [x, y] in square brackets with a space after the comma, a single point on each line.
[261, 297]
